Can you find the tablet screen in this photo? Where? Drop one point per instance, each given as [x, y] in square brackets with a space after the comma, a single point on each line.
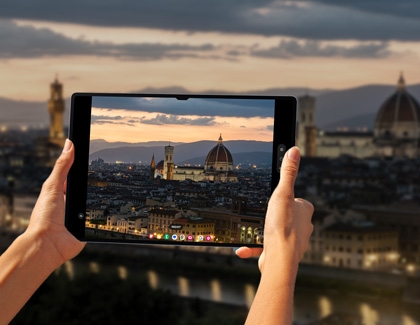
[180, 171]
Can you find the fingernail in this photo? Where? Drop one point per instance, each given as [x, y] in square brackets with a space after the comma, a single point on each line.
[294, 154]
[235, 249]
[67, 145]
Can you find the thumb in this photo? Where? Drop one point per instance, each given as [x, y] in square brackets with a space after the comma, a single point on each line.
[288, 173]
[63, 164]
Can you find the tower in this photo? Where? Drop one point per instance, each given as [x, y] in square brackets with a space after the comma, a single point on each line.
[306, 136]
[56, 110]
[152, 167]
[168, 162]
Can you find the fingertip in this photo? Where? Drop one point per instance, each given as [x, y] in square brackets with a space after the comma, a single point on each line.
[68, 145]
[288, 172]
[64, 162]
[242, 252]
[246, 252]
[294, 154]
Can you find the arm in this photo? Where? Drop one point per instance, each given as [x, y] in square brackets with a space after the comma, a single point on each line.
[44, 246]
[286, 234]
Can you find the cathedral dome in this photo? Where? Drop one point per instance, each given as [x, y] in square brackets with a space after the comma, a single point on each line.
[218, 166]
[399, 115]
[219, 154]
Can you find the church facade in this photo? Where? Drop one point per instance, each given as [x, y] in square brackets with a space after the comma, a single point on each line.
[396, 132]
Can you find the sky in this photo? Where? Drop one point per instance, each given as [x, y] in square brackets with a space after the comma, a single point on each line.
[157, 119]
[229, 46]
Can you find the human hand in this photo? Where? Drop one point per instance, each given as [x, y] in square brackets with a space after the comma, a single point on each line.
[288, 220]
[47, 219]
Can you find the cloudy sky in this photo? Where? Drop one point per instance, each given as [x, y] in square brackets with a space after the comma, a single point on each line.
[232, 46]
[195, 119]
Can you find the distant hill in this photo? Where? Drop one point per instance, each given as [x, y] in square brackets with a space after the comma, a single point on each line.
[354, 107]
[356, 123]
[246, 159]
[100, 144]
[184, 153]
[289, 91]
[28, 113]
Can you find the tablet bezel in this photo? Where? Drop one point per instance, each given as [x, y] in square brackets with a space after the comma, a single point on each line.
[284, 133]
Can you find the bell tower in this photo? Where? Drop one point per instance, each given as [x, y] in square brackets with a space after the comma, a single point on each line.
[168, 162]
[306, 138]
[56, 110]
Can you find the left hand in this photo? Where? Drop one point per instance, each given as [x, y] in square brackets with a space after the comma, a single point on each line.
[47, 219]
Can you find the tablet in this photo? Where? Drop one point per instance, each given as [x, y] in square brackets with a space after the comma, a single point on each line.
[175, 169]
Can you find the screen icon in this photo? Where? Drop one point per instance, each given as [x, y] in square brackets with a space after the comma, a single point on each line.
[208, 238]
[166, 236]
[174, 237]
[201, 238]
[181, 237]
[151, 236]
[190, 237]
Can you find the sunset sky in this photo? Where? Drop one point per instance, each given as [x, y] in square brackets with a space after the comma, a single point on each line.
[160, 119]
[231, 46]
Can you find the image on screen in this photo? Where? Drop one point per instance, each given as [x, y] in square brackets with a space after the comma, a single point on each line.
[193, 171]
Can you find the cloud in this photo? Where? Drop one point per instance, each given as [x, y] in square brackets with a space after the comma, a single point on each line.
[202, 107]
[95, 118]
[115, 120]
[293, 48]
[406, 8]
[102, 122]
[29, 42]
[162, 119]
[317, 19]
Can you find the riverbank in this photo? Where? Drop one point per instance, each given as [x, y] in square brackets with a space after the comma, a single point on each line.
[226, 265]
[216, 277]
[221, 262]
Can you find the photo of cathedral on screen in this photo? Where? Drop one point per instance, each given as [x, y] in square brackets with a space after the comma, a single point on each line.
[218, 166]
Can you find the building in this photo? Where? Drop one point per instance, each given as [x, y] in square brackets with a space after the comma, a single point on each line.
[306, 137]
[56, 110]
[233, 227]
[403, 217]
[6, 209]
[94, 214]
[397, 125]
[360, 245]
[396, 133]
[217, 167]
[179, 226]
[127, 224]
[48, 149]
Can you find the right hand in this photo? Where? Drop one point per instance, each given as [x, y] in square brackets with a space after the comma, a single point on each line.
[288, 220]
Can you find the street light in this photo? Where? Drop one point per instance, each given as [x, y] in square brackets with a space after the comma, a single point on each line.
[411, 268]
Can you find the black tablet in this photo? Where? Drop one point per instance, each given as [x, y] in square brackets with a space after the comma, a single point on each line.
[175, 169]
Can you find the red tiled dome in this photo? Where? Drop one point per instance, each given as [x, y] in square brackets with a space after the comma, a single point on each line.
[400, 107]
[219, 154]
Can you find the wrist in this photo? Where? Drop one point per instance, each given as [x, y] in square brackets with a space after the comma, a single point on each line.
[44, 250]
[280, 264]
